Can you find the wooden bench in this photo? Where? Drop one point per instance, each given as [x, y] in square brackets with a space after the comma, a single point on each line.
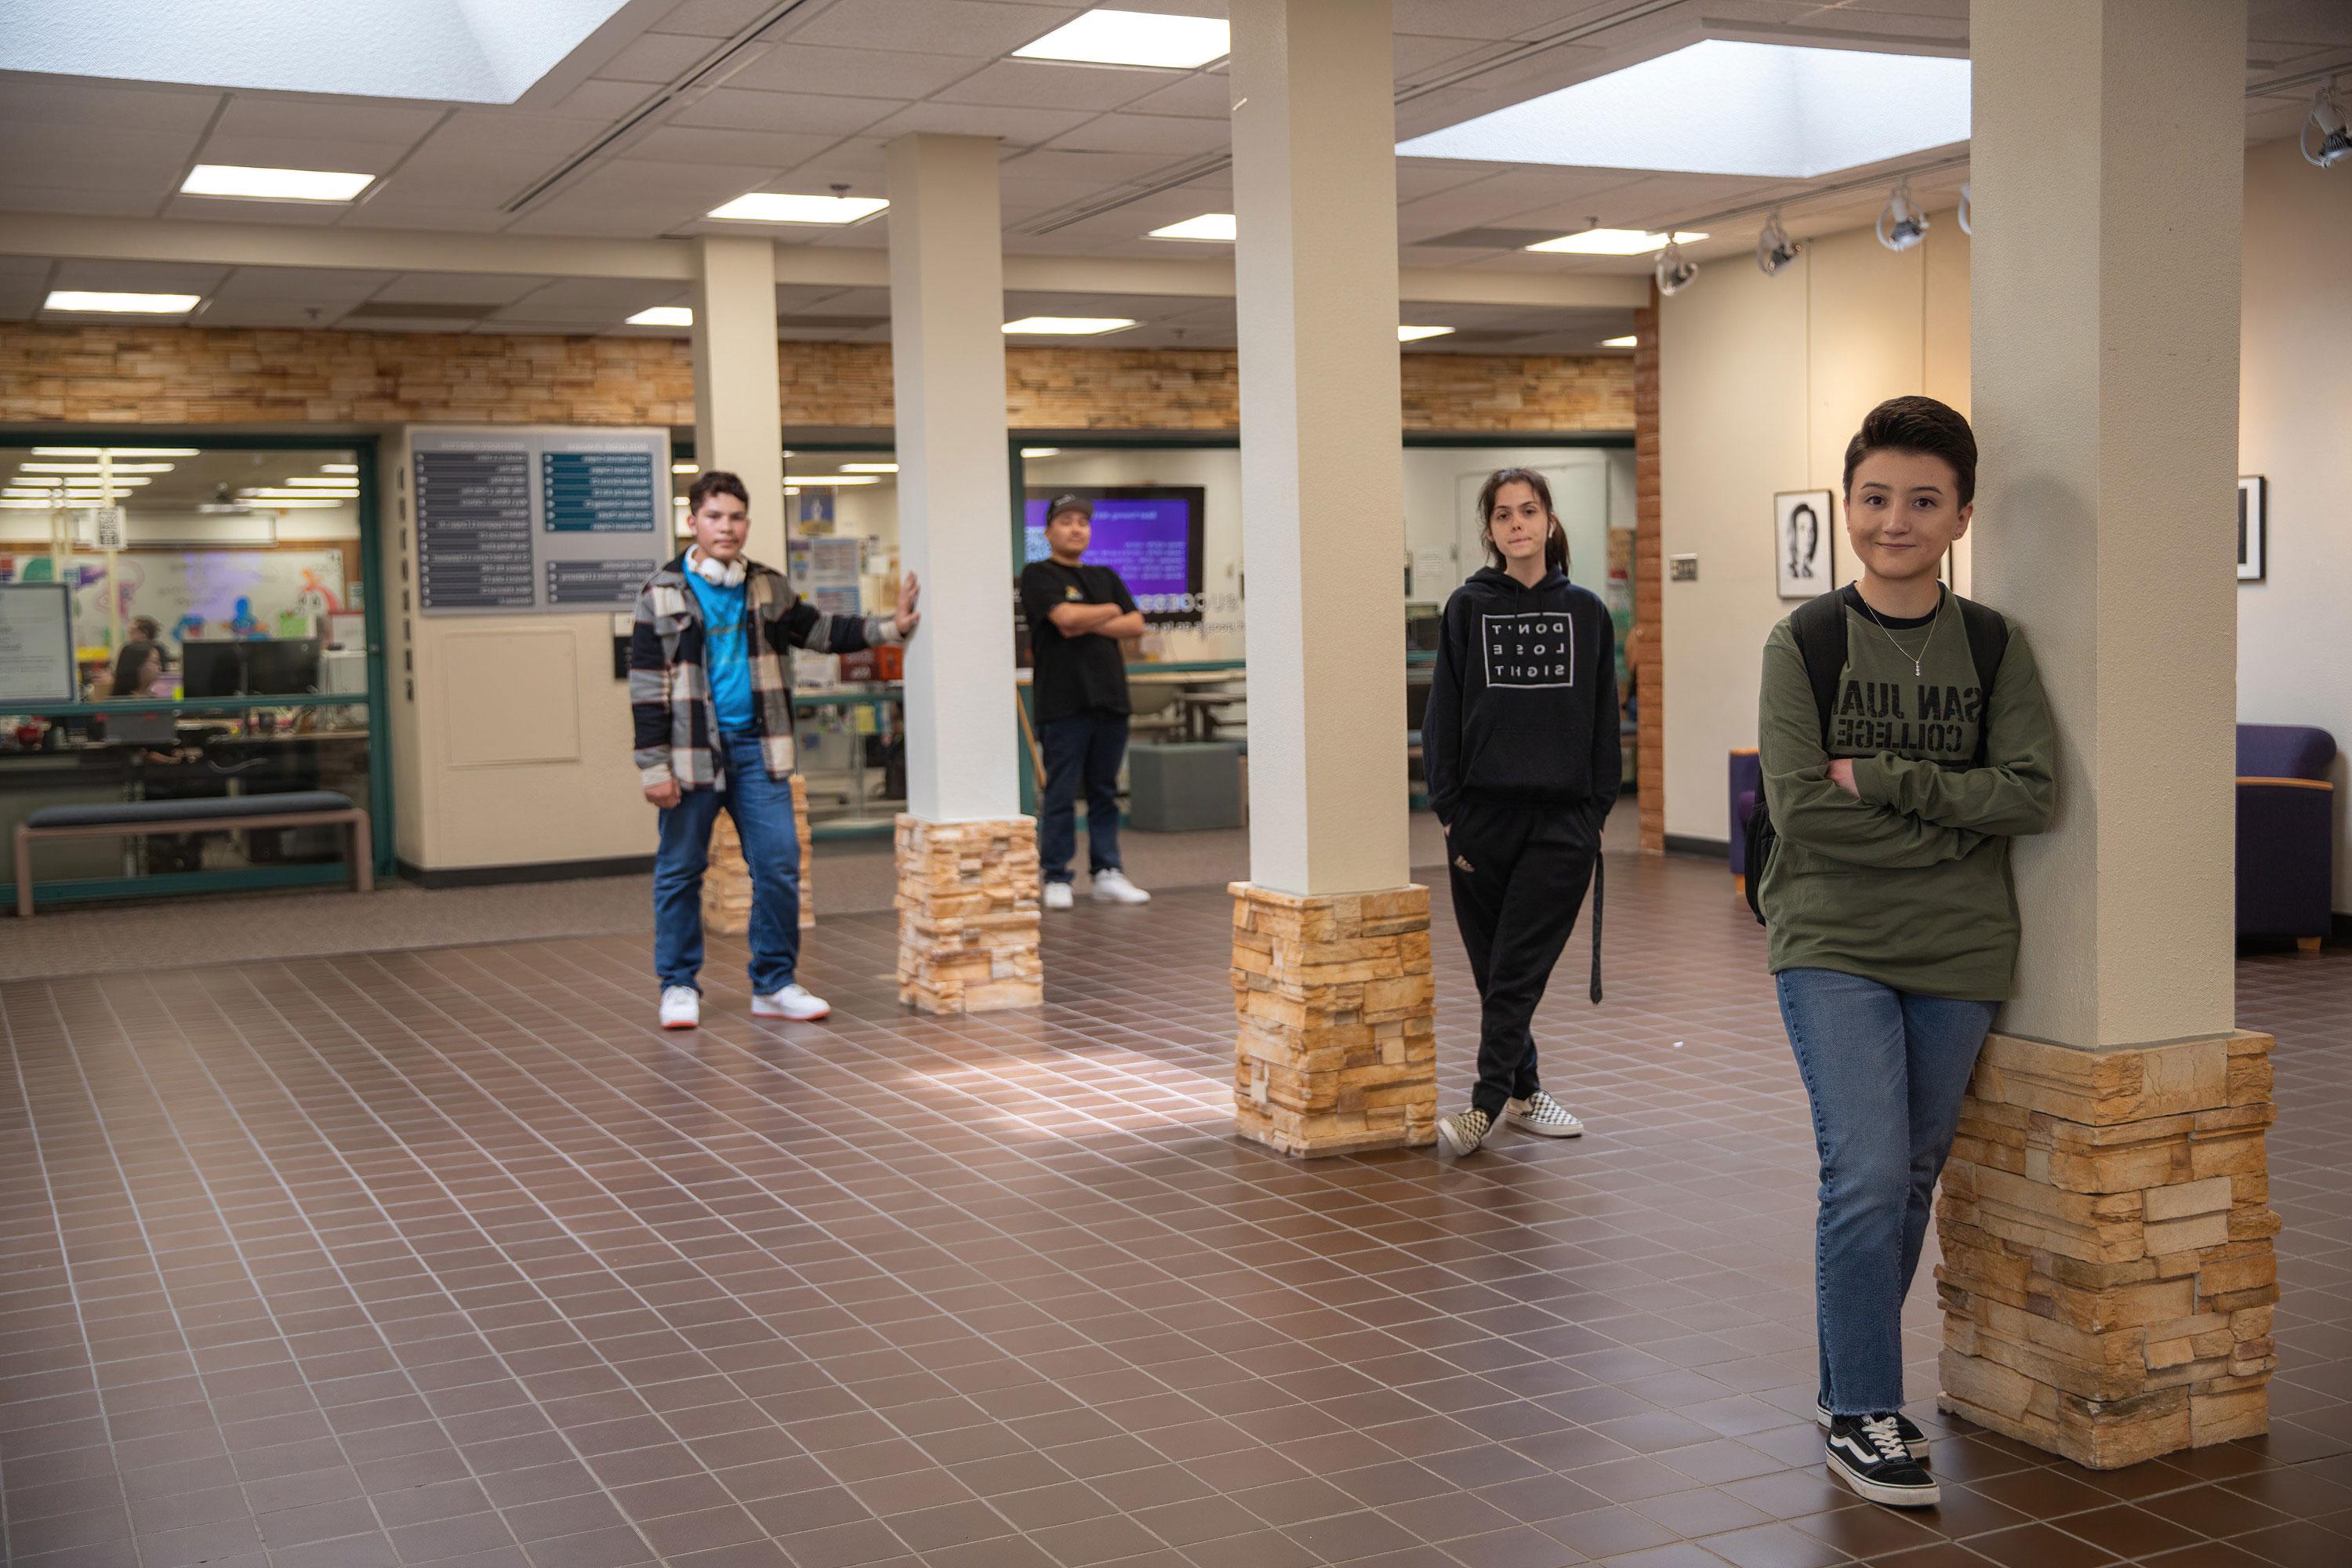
[133, 818]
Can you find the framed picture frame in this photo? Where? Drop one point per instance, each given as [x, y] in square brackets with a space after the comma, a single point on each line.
[1805, 543]
[2254, 527]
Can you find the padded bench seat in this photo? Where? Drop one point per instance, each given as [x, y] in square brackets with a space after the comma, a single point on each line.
[298, 808]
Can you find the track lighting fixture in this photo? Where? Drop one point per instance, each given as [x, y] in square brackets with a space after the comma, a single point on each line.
[1903, 224]
[1674, 270]
[1774, 248]
[1967, 219]
[2327, 125]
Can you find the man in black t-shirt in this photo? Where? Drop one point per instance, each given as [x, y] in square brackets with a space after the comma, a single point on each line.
[1077, 615]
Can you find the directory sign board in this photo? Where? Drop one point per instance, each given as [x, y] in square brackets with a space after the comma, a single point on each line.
[36, 643]
[513, 521]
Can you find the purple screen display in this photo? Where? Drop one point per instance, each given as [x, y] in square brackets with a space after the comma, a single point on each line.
[1148, 540]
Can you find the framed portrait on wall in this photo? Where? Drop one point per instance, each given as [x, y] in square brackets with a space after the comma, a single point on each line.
[2253, 525]
[1804, 544]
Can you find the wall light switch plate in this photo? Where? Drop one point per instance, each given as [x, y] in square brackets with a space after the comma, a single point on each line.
[1682, 568]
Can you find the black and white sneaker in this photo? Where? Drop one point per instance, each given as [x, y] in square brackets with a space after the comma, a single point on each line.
[1461, 1133]
[1867, 1452]
[1915, 1441]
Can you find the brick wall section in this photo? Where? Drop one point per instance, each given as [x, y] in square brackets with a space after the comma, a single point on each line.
[190, 375]
[1648, 656]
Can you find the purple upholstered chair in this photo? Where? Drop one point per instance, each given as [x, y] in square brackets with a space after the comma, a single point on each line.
[2286, 828]
[1747, 789]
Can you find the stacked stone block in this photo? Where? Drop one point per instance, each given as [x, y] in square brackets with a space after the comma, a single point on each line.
[2109, 1276]
[969, 915]
[1336, 1000]
[727, 881]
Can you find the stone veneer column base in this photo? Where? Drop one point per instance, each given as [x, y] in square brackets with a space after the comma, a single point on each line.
[2109, 1276]
[969, 915]
[1336, 1005]
[727, 881]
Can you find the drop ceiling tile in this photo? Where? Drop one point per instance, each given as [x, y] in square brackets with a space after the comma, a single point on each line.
[143, 107]
[225, 210]
[1169, 136]
[1031, 83]
[976, 29]
[617, 295]
[20, 298]
[1205, 95]
[300, 285]
[603, 101]
[507, 131]
[98, 155]
[764, 152]
[1491, 18]
[713, 18]
[1418, 56]
[323, 119]
[746, 109]
[457, 289]
[80, 201]
[654, 58]
[1020, 126]
[856, 73]
[1095, 170]
[255, 312]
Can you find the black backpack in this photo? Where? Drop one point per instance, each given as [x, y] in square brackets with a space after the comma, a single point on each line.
[1820, 628]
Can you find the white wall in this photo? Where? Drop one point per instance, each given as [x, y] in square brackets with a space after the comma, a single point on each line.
[1761, 382]
[2294, 390]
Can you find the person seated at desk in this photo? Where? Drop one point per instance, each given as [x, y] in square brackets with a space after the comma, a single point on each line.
[137, 669]
[1077, 615]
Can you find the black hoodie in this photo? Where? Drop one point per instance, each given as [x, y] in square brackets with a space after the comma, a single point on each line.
[1523, 705]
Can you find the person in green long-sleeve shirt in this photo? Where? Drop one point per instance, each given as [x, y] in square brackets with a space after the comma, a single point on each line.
[1894, 927]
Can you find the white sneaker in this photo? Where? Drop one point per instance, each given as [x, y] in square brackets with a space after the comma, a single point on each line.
[1542, 1115]
[681, 1007]
[791, 1002]
[1112, 886]
[1058, 896]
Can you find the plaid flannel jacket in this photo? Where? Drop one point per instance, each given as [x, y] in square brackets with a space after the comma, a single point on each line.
[669, 688]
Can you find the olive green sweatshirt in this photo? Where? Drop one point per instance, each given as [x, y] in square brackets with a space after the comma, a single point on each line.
[1908, 882]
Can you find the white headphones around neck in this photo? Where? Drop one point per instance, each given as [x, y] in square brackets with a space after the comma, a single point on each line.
[720, 575]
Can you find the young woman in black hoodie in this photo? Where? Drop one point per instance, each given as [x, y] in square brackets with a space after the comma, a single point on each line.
[1520, 744]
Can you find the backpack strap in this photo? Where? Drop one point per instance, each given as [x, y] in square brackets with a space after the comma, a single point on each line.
[1820, 628]
[1987, 646]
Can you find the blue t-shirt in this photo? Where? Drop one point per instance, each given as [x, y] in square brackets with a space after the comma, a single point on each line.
[726, 652]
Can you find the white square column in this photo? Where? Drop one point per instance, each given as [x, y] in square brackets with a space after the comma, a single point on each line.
[738, 407]
[968, 889]
[1335, 1050]
[1322, 461]
[2108, 1281]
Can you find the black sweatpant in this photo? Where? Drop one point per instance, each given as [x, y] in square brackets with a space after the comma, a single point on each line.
[1518, 875]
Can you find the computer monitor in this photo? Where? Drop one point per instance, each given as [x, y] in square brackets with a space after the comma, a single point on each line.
[281, 666]
[211, 669]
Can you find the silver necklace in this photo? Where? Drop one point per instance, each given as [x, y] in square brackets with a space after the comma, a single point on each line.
[1918, 660]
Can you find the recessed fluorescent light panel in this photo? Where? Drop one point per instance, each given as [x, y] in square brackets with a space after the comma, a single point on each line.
[664, 316]
[126, 452]
[324, 467]
[1614, 242]
[1068, 326]
[1725, 108]
[1208, 226]
[776, 207]
[96, 469]
[870, 468]
[1627, 341]
[101, 304]
[273, 185]
[1041, 451]
[1414, 334]
[1108, 38]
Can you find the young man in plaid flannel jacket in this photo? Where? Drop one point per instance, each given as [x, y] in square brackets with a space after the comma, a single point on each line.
[710, 688]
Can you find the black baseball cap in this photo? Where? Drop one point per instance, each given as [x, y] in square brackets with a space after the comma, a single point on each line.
[1079, 504]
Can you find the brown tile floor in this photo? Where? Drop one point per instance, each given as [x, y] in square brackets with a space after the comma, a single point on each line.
[449, 1258]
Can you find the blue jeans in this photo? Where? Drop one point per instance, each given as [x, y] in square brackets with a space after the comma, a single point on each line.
[1886, 1070]
[762, 810]
[1084, 750]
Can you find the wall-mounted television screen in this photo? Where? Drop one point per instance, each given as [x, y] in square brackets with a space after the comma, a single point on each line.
[1149, 535]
